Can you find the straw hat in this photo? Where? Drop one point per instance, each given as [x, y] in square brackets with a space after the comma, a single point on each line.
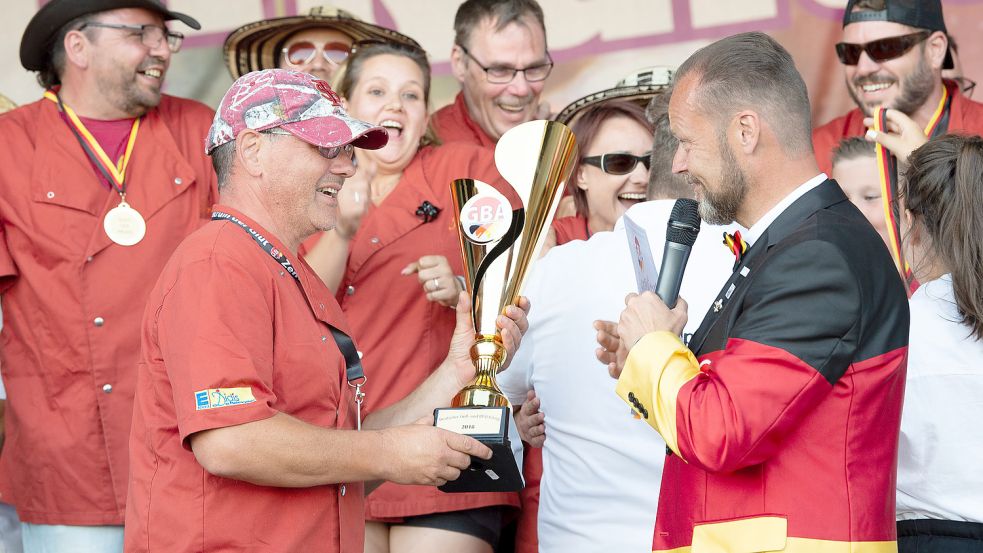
[257, 45]
[638, 87]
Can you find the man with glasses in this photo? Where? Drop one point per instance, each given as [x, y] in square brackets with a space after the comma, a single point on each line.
[248, 433]
[102, 178]
[893, 54]
[501, 61]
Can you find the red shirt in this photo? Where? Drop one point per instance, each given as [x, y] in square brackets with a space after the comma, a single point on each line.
[965, 116]
[453, 123]
[571, 228]
[225, 318]
[402, 335]
[72, 300]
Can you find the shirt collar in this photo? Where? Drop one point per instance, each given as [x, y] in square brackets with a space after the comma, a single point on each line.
[757, 229]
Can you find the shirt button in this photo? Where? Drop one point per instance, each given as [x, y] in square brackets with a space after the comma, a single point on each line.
[50, 195]
[98, 321]
[178, 181]
[324, 338]
[343, 490]
[350, 291]
[374, 240]
[320, 305]
[89, 259]
[107, 388]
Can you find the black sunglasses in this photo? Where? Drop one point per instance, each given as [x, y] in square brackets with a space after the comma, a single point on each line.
[880, 50]
[618, 164]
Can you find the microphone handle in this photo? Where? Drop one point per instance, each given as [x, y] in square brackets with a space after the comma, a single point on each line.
[674, 259]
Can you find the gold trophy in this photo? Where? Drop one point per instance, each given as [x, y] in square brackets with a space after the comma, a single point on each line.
[499, 243]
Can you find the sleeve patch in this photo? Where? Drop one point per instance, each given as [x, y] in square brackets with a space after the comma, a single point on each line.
[223, 397]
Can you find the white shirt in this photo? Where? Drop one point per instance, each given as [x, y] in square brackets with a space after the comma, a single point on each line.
[602, 466]
[941, 447]
[758, 228]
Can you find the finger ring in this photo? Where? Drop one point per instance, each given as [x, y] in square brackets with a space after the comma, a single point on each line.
[436, 285]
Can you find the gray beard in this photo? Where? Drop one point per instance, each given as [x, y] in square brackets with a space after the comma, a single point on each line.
[720, 208]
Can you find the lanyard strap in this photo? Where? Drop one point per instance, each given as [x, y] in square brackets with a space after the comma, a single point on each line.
[887, 167]
[113, 172]
[353, 363]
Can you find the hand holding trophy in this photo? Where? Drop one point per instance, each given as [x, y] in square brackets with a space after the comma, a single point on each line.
[499, 244]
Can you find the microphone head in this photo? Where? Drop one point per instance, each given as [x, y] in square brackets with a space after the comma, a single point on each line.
[684, 222]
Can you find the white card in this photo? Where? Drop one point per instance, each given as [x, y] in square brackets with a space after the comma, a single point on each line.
[646, 273]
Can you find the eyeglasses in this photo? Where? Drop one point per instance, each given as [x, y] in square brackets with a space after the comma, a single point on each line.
[150, 35]
[504, 75]
[879, 50]
[619, 163]
[326, 152]
[303, 52]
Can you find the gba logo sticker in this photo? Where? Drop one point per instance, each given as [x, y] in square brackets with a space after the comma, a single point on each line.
[223, 397]
[486, 218]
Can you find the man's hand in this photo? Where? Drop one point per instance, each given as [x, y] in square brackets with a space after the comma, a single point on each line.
[612, 351]
[903, 135]
[530, 421]
[425, 455]
[512, 325]
[645, 313]
[438, 280]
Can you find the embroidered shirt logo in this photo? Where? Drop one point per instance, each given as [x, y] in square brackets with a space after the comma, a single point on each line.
[223, 397]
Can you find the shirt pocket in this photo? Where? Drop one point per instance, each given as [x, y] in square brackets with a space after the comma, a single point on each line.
[752, 534]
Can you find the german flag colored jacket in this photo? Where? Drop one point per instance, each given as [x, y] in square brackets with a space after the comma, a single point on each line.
[782, 428]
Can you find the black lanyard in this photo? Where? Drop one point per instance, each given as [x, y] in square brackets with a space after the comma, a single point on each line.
[353, 363]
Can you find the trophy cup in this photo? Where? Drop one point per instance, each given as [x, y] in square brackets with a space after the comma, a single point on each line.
[499, 243]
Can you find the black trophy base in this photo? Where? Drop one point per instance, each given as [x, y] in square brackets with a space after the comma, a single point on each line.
[490, 426]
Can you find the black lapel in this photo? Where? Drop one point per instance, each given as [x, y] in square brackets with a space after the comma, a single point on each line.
[820, 197]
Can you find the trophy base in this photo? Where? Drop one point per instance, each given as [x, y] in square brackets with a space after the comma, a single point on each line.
[488, 425]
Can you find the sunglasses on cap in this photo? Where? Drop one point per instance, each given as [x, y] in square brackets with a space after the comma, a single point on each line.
[880, 50]
[618, 164]
[304, 52]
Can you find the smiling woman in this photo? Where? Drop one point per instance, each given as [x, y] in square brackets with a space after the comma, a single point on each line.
[392, 260]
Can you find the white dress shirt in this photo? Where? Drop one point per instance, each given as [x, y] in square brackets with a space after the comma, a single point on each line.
[762, 224]
[602, 466]
[939, 475]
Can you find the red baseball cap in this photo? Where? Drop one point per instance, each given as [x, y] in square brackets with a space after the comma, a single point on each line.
[296, 102]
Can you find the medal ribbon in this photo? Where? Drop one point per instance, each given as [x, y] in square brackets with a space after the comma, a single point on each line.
[114, 172]
[353, 361]
[887, 166]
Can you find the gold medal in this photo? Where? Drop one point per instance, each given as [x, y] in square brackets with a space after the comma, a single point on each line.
[124, 225]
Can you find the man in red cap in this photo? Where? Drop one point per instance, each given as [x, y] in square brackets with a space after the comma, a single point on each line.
[893, 53]
[249, 388]
[102, 178]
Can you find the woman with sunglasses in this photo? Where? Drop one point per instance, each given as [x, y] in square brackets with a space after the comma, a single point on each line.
[393, 260]
[939, 506]
[615, 144]
[317, 43]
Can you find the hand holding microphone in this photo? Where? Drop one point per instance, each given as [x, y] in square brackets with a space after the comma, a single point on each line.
[648, 312]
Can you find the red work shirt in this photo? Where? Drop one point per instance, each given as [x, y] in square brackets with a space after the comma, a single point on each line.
[72, 299]
[227, 321]
[453, 123]
[402, 335]
[571, 228]
[965, 116]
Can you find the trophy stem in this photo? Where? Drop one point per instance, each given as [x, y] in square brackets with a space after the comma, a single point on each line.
[488, 355]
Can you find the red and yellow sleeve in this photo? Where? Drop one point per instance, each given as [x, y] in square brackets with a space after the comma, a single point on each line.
[658, 366]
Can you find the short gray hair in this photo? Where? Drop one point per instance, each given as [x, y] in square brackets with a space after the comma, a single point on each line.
[753, 71]
[471, 13]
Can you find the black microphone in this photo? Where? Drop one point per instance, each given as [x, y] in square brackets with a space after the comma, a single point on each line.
[684, 225]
